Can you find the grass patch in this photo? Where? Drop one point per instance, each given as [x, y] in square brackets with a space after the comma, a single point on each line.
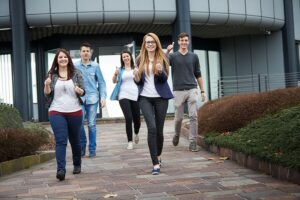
[274, 138]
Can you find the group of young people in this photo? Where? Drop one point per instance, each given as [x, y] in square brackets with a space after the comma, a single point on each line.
[73, 92]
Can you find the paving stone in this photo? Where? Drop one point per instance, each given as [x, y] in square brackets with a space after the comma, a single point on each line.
[237, 183]
[263, 194]
[222, 193]
[205, 187]
[184, 174]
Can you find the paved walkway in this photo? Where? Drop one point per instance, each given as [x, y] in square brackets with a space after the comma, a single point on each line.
[125, 174]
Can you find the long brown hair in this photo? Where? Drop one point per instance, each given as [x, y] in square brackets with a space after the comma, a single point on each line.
[131, 59]
[159, 56]
[55, 66]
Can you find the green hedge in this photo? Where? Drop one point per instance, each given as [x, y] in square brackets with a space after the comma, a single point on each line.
[274, 138]
[230, 113]
[18, 139]
[10, 117]
[18, 142]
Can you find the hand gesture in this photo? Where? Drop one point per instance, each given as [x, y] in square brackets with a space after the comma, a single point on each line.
[103, 103]
[136, 74]
[116, 71]
[158, 68]
[135, 71]
[203, 97]
[48, 80]
[170, 47]
[78, 90]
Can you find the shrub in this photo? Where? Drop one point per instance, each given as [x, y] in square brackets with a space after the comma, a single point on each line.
[38, 130]
[274, 138]
[46, 135]
[18, 142]
[10, 117]
[230, 113]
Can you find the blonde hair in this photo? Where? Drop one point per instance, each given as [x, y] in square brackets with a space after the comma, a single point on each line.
[159, 56]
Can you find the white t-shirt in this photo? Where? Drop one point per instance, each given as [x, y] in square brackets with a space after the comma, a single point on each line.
[149, 89]
[128, 89]
[65, 98]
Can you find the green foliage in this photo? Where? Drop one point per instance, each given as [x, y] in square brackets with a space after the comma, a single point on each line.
[231, 113]
[18, 142]
[18, 139]
[10, 117]
[37, 130]
[274, 138]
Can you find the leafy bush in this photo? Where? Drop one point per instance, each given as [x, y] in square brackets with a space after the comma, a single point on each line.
[10, 117]
[230, 113]
[18, 142]
[38, 130]
[16, 139]
[274, 138]
[46, 135]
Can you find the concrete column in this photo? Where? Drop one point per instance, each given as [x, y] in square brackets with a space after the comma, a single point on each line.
[289, 44]
[182, 22]
[21, 70]
[41, 73]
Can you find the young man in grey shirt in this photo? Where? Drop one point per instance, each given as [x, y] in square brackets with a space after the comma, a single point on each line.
[186, 74]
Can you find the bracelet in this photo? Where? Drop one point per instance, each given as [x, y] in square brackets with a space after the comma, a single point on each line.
[202, 92]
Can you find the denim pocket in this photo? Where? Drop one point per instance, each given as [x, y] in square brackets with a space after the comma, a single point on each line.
[92, 76]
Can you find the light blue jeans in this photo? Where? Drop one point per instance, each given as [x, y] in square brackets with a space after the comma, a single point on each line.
[89, 113]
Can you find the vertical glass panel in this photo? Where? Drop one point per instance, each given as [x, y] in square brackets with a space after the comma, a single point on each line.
[34, 88]
[210, 70]
[6, 89]
[108, 64]
[50, 57]
[299, 55]
[214, 73]
[202, 55]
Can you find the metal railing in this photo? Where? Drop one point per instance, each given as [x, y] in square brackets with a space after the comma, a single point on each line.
[231, 85]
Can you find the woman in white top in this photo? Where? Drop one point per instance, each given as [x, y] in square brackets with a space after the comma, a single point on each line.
[126, 91]
[63, 88]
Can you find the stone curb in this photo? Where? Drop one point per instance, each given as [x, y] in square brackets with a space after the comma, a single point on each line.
[275, 170]
[26, 162]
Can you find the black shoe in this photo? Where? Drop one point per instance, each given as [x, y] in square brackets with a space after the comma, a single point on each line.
[175, 140]
[60, 175]
[76, 170]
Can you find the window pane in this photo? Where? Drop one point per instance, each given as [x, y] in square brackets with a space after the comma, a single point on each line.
[6, 89]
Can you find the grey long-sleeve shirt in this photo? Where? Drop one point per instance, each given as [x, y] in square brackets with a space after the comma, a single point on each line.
[185, 70]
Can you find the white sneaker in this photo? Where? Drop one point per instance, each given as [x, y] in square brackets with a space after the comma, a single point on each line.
[136, 138]
[130, 145]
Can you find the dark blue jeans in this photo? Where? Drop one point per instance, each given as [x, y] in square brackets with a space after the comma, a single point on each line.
[154, 111]
[64, 128]
[131, 111]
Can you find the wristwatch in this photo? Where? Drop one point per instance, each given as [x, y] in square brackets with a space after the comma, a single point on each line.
[202, 92]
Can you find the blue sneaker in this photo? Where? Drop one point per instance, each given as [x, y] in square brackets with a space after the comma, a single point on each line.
[155, 171]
